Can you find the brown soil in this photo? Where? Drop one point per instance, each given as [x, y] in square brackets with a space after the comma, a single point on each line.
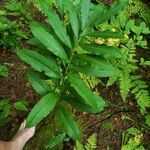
[17, 87]
[14, 87]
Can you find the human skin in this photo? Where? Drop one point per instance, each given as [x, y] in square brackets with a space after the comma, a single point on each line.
[20, 139]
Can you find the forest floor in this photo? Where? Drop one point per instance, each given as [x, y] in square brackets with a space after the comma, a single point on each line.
[17, 87]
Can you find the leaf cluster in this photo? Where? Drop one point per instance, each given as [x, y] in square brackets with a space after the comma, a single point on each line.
[57, 64]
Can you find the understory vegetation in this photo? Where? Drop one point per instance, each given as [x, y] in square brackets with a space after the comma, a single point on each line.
[79, 58]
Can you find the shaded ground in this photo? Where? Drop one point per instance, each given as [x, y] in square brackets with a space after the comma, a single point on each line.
[16, 87]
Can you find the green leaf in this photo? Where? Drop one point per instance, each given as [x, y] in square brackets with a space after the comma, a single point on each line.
[56, 23]
[108, 126]
[78, 104]
[93, 66]
[20, 105]
[3, 71]
[39, 84]
[55, 140]
[73, 18]
[42, 109]
[114, 10]
[94, 15]
[48, 40]
[102, 50]
[40, 63]
[105, 34]
[148, 120]
[69, 123]
[60, 4]
[85, 11]
[90, 98]
[59, 28]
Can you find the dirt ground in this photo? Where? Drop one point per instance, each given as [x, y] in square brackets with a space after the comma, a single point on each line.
[17, 87]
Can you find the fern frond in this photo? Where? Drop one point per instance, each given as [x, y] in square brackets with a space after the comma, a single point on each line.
[90, 81]
[79, 146]
[111, 81]
[91, 144]
[140, 90]
[125, 82]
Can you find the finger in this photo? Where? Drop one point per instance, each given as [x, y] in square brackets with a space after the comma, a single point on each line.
[23, 125]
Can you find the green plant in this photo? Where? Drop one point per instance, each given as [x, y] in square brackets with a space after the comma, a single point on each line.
[12, 30]
[3, 71]
[62, 89]
[130, 82]
[4, 111]
[90, 145]
[132, 140]
[20, 105]
[6, 107]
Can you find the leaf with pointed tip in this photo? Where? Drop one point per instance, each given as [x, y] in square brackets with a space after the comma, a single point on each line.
[93, 66]
[48, 40]
[114, 10]
[85, 11]
[40, 63]
[90, 98]
[78, 104]
[105, 34]
[42, 109]
[73, 18]
[60, 4]
[55, 140]
[39, 85]
[55, 22]
[94, 15]
[102, 50]
[69, 123]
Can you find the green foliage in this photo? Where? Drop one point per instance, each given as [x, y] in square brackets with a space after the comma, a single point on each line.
[3, 71]
[6, 108]
[42, 109]
[138, 8]
[140, 90]
[20, 105]
[134, 31]
[4, 111]
[61, 65]
[108, 126]
[11, 30]
[90, 145]
[132, 140]
[55, 140]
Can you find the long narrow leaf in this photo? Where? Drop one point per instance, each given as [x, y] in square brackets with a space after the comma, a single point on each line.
[105, 34]
[84, 91]
[102, 50]
[42, 109]
[55, 140]
[39, 85]
[94, 15]
[85, 11]
[69, 123]
[55, 22]
[93, 66]
[114, 10]
[47, 40]
[76, 103]
[59, 28]
[73, 18]
[40, 63]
